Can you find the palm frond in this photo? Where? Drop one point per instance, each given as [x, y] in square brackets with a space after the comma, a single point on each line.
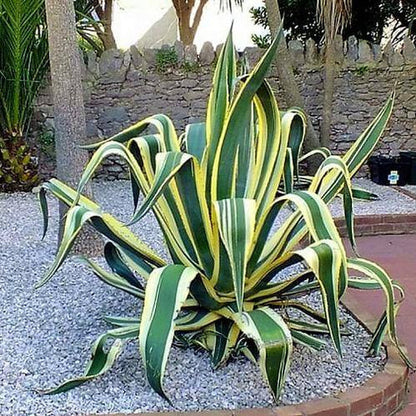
[334, 15]
[23, 61]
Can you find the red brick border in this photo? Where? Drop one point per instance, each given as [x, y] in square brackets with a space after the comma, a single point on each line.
[382, 395]
[380, 224]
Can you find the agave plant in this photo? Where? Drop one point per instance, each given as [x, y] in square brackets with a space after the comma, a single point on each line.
[216, 191]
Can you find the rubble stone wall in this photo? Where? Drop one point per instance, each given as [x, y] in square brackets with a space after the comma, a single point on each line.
[124, 87]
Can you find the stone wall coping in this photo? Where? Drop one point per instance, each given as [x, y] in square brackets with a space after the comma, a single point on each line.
[352, 52]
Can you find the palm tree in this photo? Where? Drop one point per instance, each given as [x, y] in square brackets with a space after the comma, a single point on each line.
[94, 19]
[334, 15]
[23, 64]
[69, 111]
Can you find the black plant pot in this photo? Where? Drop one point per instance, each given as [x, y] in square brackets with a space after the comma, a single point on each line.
[410, 158]
[389, 171]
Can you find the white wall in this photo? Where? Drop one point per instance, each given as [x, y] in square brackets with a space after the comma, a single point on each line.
[132, 18]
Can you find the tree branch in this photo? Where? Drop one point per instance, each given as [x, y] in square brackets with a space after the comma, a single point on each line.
[198, 15]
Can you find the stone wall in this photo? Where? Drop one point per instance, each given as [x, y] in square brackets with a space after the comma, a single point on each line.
[124, 87]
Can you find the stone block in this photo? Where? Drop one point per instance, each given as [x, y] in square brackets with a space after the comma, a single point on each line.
[252, 55]
[137, 58]
[180, 50]
[112, 66]
[352, 49]
[391, 56]
[365, 52]
[92, 130]
[207, 54]
[315, 78]
[191, 54]
[113, 115]
[111, 61]
[189, 83]
[378, 56]
[296, 51]
[92, 64]
[409, 51]
[311, 52]
[218, 49]
[149, 56]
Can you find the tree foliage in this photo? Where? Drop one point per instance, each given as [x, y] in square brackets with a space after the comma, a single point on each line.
[94, 19]
[23, 63]
[368, 21]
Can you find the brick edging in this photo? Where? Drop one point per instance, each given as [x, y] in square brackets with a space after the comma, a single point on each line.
[365, 225]
[381, 395]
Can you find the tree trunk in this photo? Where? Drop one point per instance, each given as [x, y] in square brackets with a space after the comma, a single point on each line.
[69, 112]
[286, 76]
[183, 12]
[183, 8]
[334, 17]
[329, 84]
[107, 36]
[186, 35]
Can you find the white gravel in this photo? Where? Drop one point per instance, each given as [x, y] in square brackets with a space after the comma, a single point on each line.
[390, 201]
[411, 188]
[45, 335]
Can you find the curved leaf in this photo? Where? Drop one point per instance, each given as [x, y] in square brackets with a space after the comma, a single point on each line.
[325, 259]
[166, 292]
[113, 279]
[274, 343]
[160, 122]
[101, 358]
[118, 265]
[236, 219]
[235, 125]
[195, 140]
[76, 217]
[379, 275]
[167, 165]
[194, 320]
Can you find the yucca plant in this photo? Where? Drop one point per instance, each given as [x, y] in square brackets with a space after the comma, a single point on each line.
[23, 64]
[216, 192]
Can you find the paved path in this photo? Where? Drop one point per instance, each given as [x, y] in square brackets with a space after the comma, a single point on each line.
[397, 254]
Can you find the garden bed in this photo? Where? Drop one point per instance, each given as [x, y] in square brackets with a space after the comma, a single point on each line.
[46, 334]
[391, 201]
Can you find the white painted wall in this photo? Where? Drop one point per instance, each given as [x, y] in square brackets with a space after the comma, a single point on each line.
[132, 18]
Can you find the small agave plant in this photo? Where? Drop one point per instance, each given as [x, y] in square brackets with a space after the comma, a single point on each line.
[216, 192]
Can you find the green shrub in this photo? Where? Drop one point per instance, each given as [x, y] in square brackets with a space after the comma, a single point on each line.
[23, 64]
[166, 58]
[46, 142]
[216, 202]
[361, 70]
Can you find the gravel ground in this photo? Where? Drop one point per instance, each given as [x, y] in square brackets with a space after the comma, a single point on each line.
[411, 188]
[390, 201]
[45, 335]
